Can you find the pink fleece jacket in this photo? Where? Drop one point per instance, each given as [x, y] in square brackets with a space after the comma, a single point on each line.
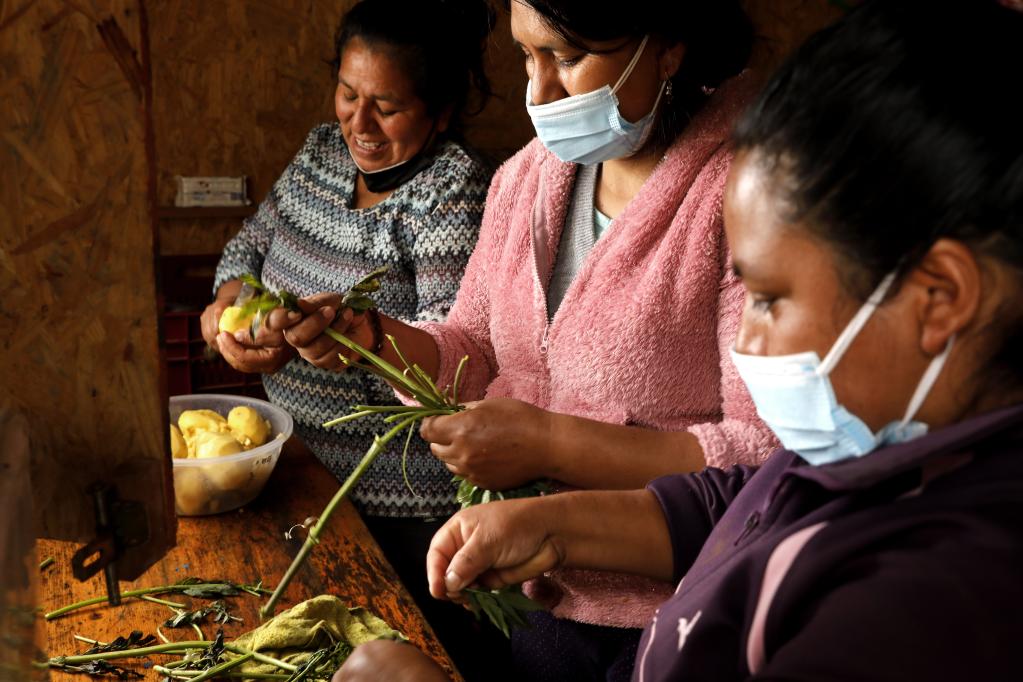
[641, 336]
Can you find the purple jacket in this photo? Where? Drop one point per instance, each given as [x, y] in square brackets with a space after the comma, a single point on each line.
[906, 564]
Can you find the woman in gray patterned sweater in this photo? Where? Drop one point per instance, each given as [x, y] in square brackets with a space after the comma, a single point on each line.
[388, 184]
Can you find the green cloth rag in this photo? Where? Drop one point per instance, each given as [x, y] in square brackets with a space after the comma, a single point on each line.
[323, 621]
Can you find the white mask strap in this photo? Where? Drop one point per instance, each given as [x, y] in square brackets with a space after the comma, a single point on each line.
[848, 334]
[927, 382]
[631, 65]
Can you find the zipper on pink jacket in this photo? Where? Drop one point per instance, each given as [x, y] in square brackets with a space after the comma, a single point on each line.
[545, 338]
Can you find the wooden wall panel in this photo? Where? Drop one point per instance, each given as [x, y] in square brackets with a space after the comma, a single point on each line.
[238, 84]
[79, 352]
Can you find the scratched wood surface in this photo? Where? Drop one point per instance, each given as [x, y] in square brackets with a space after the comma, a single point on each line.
[244, 546]
[79, 351]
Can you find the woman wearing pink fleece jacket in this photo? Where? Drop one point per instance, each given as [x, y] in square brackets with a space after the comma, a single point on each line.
[629, 377]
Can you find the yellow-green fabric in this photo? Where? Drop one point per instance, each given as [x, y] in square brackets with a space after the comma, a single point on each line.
[314, 624]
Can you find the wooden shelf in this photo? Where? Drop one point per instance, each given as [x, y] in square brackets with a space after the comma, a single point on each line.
[199, 212]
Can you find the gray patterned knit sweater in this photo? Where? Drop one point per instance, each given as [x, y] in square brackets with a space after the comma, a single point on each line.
[306, 238]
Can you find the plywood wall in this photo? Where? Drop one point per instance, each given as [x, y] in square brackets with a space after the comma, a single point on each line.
[79, 352]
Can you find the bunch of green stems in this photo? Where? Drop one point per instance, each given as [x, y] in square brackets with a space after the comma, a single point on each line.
[503, 607]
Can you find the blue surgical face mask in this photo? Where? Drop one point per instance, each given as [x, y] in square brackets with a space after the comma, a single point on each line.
[794, 397]
[587, 128]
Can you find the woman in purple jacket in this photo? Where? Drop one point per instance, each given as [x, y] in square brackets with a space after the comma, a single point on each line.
[875, 214]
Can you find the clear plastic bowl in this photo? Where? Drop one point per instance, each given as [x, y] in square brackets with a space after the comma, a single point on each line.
[219, 484]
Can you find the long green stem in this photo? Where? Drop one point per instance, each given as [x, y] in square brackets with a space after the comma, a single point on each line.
[162, 589]
[458, 378]
[191, 674]
[172, 648]
[348, 417]
[162, 602]
[262, 658]
[222, 667]
[314, 533]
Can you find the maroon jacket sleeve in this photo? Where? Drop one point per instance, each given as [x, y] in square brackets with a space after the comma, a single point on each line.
[693, 504]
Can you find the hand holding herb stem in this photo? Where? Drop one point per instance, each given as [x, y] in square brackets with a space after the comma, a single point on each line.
[505, 607]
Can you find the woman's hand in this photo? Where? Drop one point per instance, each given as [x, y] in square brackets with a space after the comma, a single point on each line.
[209, 322]
[385, 659]
[496, 444]
[495, 544]
[265, 354]
[305, 332]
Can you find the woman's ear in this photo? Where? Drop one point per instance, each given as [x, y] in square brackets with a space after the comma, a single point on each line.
[950, 286]
[670, 60]
[444, 118]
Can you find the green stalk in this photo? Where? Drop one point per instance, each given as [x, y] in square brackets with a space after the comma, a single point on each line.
[223, 667]
[162, 589]
[389, 372]
[458, 378]
[348, 418]
[404, 461]
[162, 602]
[262, 658]
[418, 413]
[314, 533]
[172, 648]
[373, 409]
[191, 674]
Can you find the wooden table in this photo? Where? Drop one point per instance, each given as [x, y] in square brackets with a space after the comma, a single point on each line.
[244, 546]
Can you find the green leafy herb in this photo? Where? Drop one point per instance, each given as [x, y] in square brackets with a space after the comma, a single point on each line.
[469, 495]
[193, 587]
[99, 669]
[184, 619]
[505, 607]
[134, 640]
[211, 656]
[358, 297]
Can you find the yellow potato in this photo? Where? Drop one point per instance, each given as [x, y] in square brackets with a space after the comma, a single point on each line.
[179, 449]
[211, 444]
[233, 319]
[192, 421]
[248, 427]
[190, 494]
[228, 475]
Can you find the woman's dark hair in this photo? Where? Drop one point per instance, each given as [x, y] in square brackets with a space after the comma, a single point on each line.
[900, 125]
[717, 36]
[438, 43]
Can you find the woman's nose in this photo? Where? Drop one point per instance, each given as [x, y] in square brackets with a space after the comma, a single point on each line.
[544, 87]
[362, 119]
[749, 341]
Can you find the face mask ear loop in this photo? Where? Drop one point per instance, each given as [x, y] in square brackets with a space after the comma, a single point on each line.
[856, 324]
[631, 65]
[927, 382]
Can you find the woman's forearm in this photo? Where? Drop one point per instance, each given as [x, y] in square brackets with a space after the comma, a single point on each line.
[597, 455]
[623, 531]
[228, 291]
[418, 346]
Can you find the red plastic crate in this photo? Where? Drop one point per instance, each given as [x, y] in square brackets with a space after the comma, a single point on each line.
[189, 370]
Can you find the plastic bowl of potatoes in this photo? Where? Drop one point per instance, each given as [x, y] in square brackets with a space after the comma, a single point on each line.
[224, 449]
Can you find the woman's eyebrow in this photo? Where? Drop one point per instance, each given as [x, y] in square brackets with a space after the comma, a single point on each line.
[381, 97]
